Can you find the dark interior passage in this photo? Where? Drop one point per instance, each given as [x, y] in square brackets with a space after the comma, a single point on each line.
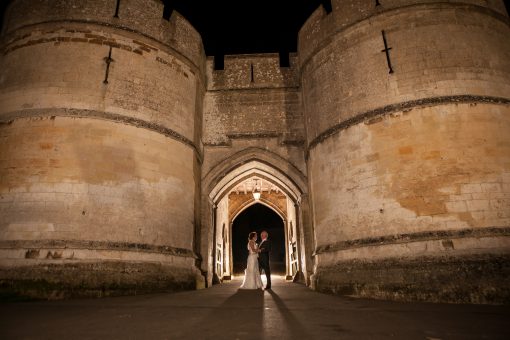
[257, 218]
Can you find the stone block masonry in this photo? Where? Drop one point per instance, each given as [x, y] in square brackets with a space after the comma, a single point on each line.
[394, 158]
[98, 160]
[253, 97]
[115, 131]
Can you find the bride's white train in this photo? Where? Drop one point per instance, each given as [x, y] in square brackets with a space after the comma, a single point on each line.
[252, 278]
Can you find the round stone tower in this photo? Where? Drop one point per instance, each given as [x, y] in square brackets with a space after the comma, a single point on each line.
[407, 109]
[100, 122]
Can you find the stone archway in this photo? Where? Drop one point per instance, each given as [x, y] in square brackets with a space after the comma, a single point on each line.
[236, 197]
[241, 199]
[259, 217]
[228, 177]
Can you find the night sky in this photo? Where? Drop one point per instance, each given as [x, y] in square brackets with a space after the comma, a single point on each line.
[243, 26]
[247, 26]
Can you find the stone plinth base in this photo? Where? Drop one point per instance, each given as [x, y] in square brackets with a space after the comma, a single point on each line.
[98, 279]
[481, 279]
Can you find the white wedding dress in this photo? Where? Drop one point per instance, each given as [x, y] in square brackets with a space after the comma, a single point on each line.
[252, 278]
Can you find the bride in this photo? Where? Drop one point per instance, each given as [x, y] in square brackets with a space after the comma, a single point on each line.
[252, 278]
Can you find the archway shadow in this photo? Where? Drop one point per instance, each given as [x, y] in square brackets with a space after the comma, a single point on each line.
[240, 316]
[293, 327]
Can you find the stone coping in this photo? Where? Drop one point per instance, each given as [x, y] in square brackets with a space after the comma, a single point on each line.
[93, 114]
[375, 115]
[98, 245]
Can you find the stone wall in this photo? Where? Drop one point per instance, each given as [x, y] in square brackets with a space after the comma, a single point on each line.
[143, 17]
[99, 166]
[117, 134]
[409, 171]
[471, 59]
[252, 111]
[253, 102]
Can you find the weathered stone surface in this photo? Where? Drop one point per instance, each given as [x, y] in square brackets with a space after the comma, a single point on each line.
[99, 163]
[121, 147]
[395, 158]
[96, 279]
[144, 18]
[480, 279]
[71, 76]
[466, 61]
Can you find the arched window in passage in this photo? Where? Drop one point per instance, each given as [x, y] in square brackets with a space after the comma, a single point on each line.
[220, 254]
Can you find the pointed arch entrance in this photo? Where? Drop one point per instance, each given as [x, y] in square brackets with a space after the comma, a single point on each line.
[229, 189]
[258, 217]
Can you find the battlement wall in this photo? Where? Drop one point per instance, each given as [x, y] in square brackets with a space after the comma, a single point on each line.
[405, 105]
[253, 96]
[100, 122]
[434, 50]
[321, 26]
[144, 17]
[77, 55]
[253, 102]
[252, 71]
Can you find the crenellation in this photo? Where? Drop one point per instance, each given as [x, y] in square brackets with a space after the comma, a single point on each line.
[140, 17]
[253, 99]
[253, 71]
[76, 186]
[121, 146]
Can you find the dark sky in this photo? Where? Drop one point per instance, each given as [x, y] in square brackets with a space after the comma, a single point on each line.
[247, 26]
[243, 26]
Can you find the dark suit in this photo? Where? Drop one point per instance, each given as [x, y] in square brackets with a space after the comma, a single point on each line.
[265, 249]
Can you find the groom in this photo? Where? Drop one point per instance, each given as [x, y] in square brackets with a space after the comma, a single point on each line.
[265, 249]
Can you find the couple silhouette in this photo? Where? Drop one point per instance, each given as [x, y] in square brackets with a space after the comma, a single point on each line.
[258, 259]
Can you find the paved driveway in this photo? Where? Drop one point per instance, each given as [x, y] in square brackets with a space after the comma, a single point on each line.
[289, 311]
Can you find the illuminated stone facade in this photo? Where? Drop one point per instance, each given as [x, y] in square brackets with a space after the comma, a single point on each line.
[384, 147]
